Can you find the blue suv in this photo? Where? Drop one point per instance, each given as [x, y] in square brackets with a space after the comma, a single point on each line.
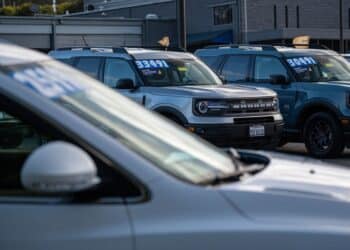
[313, 87]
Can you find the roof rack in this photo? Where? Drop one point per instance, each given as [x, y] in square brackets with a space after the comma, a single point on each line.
[120, 50]
[157, 48]
[244, 46]
[310, 46]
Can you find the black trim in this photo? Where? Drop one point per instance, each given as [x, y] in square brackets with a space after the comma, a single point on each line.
[173, 112]
[230, 135]
[319, 105]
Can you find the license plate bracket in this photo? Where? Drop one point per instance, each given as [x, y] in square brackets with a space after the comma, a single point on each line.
[257, 131]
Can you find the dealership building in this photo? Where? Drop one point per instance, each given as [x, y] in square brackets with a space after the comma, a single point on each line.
[224, 21]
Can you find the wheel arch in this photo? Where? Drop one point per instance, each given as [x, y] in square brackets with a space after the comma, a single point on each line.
[171, 112]
[315, 107]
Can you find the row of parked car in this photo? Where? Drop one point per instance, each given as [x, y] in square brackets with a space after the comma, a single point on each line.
[236, 106]
[83, 167]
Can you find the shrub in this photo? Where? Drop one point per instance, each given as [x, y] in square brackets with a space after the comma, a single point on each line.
[8, 11]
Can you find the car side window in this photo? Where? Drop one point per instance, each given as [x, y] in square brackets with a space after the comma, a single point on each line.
[236, 69]
[212, 61]
[265, 66]
[18, 139]
[89, 65]
[116, 69]
[68, 61]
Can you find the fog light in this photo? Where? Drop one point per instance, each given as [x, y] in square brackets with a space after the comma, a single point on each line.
[191, 129]
[345, 122]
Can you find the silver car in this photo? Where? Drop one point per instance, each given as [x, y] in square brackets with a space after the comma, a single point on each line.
[101, 172]
[183, 89]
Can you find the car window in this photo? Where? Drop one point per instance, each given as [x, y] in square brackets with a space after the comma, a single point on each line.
[168, 147]
[265, 66]
[319, 68]
[211, 61]
[236, 68]
[18, 139]
[89, 65]
[116, 69]
[68, 61]
[176, 72]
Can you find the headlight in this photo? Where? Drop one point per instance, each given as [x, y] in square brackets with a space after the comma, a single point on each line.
[276, 104]
[211, 107]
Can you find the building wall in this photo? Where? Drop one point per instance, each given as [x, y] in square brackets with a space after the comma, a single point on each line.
[317, 18]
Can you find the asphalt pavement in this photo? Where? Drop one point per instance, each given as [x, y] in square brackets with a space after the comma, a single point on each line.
[299, 149]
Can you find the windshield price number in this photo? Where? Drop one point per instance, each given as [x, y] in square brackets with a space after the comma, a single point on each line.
[257, 131]
[151, 64]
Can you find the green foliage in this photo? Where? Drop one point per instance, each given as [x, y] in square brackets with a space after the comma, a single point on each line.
[24, 8]
[46, 9]
[8, 11]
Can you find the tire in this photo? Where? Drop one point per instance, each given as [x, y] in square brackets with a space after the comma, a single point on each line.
[323, 136]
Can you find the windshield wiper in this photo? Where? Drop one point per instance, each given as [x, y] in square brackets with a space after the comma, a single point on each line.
[239, 170]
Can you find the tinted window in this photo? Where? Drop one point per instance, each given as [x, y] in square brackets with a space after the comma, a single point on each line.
[265, 66]
[18, 139]
[116, 69]
[89, 65]
[236, 69]
[68, 61]
[223, 14]
[211, 61]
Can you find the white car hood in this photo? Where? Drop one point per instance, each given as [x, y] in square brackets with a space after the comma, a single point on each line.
[211, 91]
[294, 189]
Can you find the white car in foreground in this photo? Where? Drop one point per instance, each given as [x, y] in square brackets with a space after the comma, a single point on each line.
[82, 167]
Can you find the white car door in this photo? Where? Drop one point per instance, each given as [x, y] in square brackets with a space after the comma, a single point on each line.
[35, 221]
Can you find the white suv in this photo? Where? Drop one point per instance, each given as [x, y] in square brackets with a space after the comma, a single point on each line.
[182, 88]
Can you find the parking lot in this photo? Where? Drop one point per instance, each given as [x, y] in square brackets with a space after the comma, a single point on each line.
[158, 125]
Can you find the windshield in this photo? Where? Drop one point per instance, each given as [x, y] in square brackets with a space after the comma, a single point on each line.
[320, 68]
[169, 147]
[176, 72]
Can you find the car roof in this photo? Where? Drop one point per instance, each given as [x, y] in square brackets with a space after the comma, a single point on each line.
[126, 53]
[261, 50]
[11, 54]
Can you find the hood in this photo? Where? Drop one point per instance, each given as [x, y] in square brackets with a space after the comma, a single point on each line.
[294, 189]
[212, 91]
[335, 85]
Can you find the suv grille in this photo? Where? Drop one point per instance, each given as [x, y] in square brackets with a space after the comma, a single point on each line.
[251, 106]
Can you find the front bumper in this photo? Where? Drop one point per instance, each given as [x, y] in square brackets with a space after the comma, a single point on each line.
[237, 135]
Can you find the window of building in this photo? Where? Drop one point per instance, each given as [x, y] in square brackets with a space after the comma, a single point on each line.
[236, 69]
[275, 17]
[298, 16]
[286, 16]
[222, 14]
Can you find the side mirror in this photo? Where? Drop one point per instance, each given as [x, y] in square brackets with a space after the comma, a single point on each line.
[125, 83]
[59, 167]
[278, 79]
